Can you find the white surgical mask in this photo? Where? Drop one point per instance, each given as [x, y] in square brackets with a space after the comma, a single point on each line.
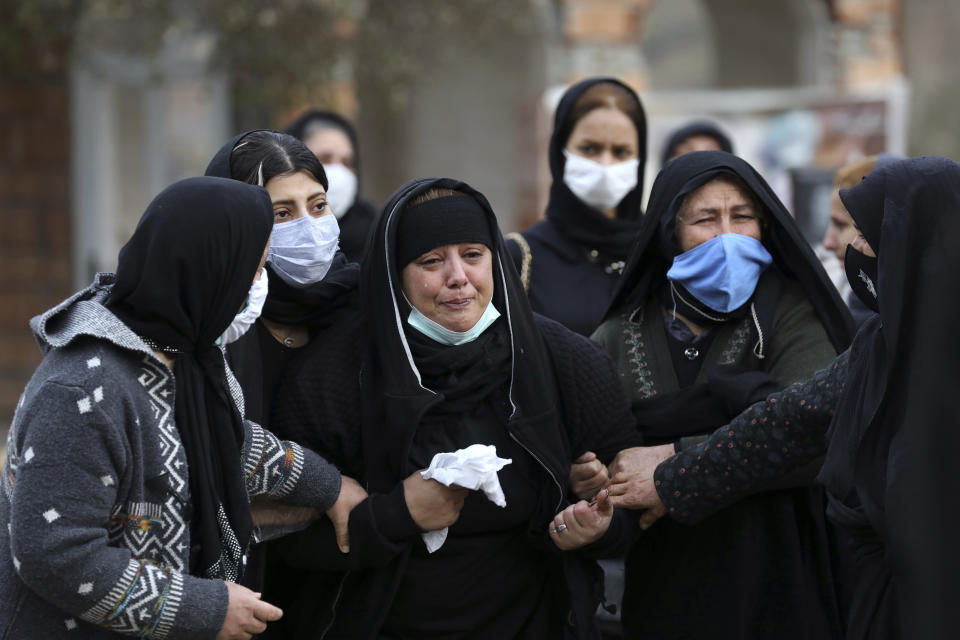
[245, 319]
[599, 186]
[343, 188]
[302, 250]
[441, 334]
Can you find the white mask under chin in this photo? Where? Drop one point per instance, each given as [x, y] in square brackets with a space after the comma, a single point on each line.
[302, 250]
[342, 191]
[245, 319]
[601, 187]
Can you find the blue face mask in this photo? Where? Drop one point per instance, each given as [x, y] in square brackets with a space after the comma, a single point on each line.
[722, 273]
[441, 334]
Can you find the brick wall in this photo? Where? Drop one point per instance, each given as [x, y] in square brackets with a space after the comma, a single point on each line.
[35, 235]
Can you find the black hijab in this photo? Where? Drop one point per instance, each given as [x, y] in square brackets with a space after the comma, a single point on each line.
[894, 437]
[392, 379]
[574, 218]
[315, 305]
[696, 128]
[181, 278]
[727, 390]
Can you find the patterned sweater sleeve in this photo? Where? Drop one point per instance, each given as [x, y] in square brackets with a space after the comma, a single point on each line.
[280, 469]
[67, 460]
[285, 471]
[769, 439]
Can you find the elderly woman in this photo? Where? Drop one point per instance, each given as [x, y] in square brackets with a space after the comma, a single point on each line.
[125, 506]
[571, 261]
[445, 355]
[722, 303]
[889, 404]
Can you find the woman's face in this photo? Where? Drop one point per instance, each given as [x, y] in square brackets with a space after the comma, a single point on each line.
[297, 195]
[605, 135]
[331, 146]
[841, 231]
[715, 208]
[452, 284]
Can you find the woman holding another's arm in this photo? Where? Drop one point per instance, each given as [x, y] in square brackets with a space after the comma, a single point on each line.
[447, 354]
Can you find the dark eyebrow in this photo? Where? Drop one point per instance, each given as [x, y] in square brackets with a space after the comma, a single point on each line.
[309, 198]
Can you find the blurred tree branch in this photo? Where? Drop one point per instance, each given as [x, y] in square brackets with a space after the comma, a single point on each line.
[279, 54]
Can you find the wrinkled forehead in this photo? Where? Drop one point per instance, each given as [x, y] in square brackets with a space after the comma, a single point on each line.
[719, 191]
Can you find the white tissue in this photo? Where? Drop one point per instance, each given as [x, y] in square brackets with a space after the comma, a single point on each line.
[473, 468]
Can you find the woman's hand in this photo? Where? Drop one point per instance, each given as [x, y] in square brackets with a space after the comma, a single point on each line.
[580, 523]
[588, 475]
[247, 615]
[632, 485]
[351, 494]
[432, 505]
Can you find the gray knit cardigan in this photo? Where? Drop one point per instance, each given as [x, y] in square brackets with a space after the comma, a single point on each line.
[95, 511]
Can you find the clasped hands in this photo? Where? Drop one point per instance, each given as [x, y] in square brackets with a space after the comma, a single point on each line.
[628, 481]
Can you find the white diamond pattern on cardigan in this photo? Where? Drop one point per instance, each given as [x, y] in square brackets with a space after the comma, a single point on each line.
[171, 538]
[144, 602]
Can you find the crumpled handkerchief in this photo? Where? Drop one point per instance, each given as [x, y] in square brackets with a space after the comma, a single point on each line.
[473, 468]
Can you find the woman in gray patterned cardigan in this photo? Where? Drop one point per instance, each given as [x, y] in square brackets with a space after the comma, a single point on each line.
[125, 505]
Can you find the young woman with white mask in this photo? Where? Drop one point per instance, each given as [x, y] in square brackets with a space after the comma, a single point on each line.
[310, 284]
[571, 261]
[334, 141]
[310, 281]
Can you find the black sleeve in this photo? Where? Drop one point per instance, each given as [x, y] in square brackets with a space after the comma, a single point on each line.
[771, 438]
[597, 413]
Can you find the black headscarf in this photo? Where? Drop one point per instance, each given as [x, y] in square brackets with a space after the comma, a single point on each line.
[894, 437]
[392, 380]
[355, 223]
[727, 390]
[574, 218]
[313, 305]
[181, 278]
[696, 128]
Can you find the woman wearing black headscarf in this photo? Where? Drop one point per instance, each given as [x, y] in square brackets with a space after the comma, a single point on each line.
[889, 404]
[721, 303]
[570, 262]
[311, 283]
[447, 354]
[334, 141]
[129, 464]
[311, 286]
[699, 135]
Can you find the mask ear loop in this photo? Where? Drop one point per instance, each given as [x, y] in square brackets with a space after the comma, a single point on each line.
[673, 299]
[758, 347]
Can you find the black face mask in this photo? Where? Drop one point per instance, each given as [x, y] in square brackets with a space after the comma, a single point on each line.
[862, 274]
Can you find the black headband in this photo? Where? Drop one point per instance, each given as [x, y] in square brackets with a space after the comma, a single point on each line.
[438, 222]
